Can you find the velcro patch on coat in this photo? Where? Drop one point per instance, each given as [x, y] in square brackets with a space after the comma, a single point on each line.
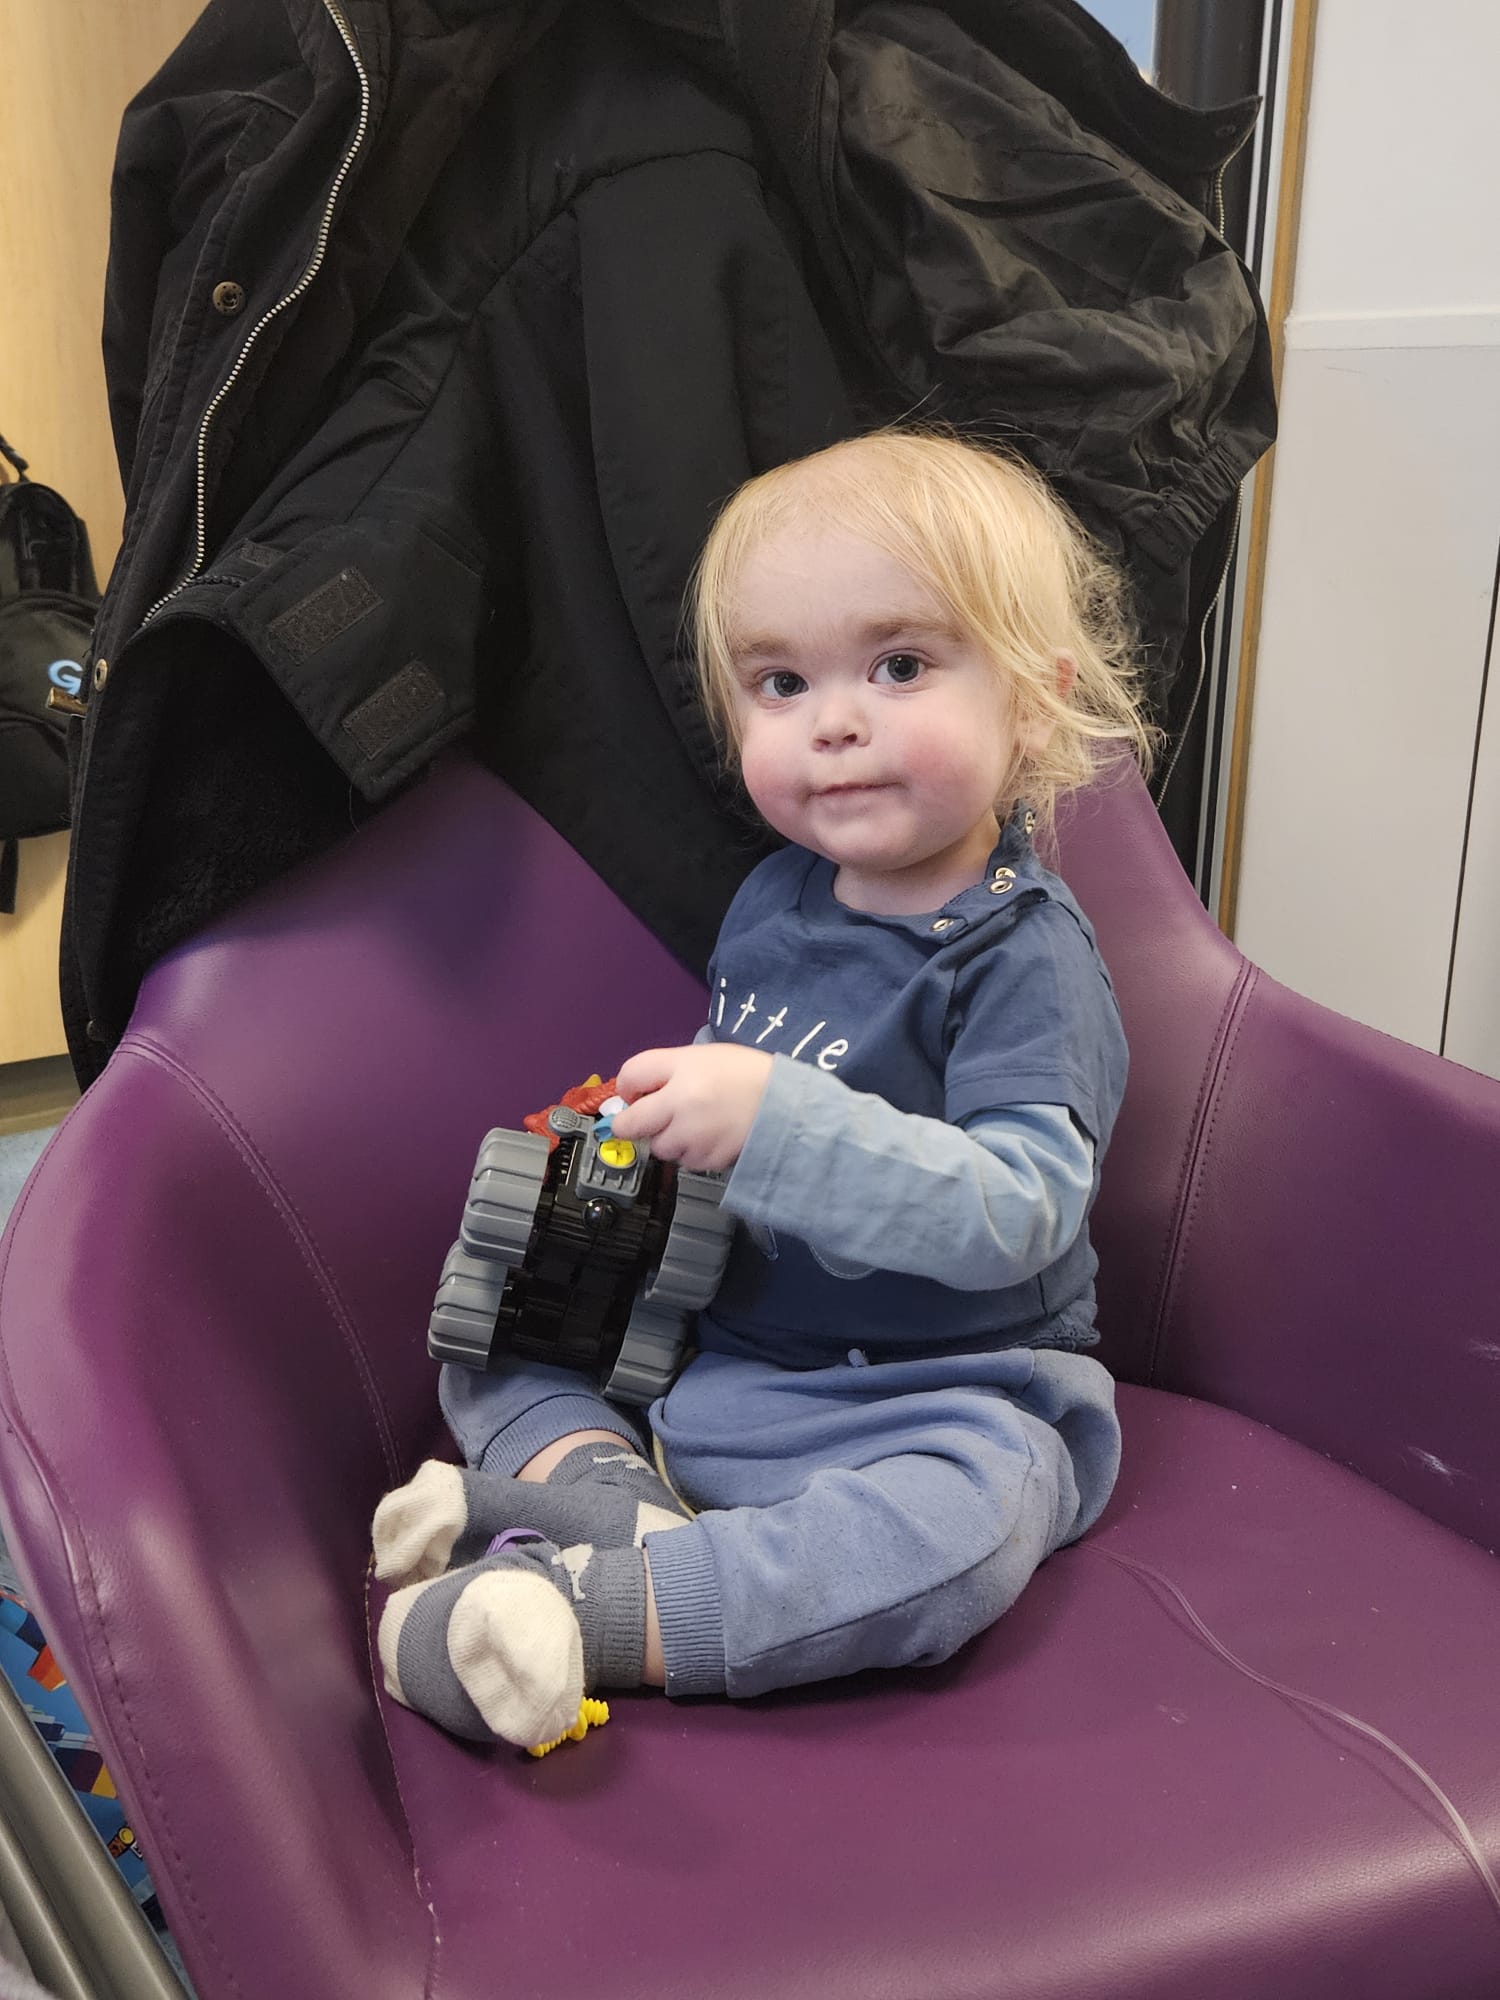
[325, 613]
[390, 714]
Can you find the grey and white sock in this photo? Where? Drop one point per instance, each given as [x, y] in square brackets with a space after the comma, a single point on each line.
[508, 1646]
[603, 1493]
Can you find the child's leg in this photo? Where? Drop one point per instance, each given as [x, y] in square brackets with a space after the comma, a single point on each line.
[895, 1526]
[867, 1516]
[524, 1420]
[502, 1419]
[509, 1645]
[590, 1486]
[896, 1564]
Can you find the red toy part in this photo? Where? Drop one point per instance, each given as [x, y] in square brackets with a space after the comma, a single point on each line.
[582, 1097]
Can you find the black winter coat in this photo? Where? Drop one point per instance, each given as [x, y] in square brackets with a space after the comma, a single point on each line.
[436, 331]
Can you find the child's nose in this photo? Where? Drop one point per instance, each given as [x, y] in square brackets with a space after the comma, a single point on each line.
[839, 720]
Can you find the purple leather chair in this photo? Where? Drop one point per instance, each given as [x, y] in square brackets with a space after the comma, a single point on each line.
[213, 1299]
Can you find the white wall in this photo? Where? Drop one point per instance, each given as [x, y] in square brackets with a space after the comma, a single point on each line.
[1384, 534]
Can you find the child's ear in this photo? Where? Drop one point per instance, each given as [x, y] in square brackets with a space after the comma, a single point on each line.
[1037, 735]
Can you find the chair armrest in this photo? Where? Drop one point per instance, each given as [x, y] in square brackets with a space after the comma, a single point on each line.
[190, 1461]
[213, 1300]
[1336, 1268]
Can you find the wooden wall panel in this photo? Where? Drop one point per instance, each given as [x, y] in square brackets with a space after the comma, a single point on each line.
[70, 68]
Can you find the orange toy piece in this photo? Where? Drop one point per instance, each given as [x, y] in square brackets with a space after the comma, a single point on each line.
[582, 1097]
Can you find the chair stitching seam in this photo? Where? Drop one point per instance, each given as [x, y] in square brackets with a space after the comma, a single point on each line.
[1189, 1186]
[424, 1888]
[1221, 1078]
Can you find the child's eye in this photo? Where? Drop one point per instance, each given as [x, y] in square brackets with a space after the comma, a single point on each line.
[898, 669]
[782, 684]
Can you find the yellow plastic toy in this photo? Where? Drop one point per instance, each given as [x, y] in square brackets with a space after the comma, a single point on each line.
[593, 1714]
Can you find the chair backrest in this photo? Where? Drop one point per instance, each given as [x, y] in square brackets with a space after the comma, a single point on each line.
[1177, 977]
[1294, 1207]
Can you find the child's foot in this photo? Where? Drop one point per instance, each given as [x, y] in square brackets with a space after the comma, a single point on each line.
[604, 1493]
[508, 1646]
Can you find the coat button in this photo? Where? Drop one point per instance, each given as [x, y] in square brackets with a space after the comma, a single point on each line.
[943, 924]
[101, 674]
[229, 299]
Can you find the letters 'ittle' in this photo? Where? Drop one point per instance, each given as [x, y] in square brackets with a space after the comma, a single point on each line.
[826, 1057]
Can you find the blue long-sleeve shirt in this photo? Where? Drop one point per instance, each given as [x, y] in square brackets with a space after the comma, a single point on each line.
[919, 1173]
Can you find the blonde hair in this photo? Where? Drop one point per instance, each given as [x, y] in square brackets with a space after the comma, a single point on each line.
[986, 534]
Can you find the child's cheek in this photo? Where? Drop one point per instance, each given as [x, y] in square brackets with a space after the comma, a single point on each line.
[768, 776]
[953, 760]
[937, 758]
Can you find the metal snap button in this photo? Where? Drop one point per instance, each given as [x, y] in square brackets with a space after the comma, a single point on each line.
[1003, 879]
[943, 924]
[101, 674]
[229, 298]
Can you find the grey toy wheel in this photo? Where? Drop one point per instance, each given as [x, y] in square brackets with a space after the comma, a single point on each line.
[697, 1246]
[692, 1263]
[503, 1194]
[499, 1215]
[462, 1326]
[650, 1354]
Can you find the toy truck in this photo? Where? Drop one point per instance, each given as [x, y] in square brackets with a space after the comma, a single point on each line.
[583, 1250]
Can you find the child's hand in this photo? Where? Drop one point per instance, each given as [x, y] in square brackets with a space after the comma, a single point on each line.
[696, 1104]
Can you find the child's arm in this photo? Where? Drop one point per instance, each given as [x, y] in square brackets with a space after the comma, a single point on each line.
[882, 1189]
[978, 1208]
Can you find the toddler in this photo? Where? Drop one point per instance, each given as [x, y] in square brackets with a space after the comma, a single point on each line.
[912, 1062]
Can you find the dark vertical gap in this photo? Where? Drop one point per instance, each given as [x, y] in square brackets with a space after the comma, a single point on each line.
[1263, 179]
[1209, 52]
[1222, 718]
[1463, 863]
[1214, 762]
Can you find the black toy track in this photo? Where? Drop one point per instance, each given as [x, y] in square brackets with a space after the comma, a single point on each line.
[587, 1253]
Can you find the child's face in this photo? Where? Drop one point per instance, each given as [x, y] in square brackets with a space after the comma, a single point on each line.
[870, 729]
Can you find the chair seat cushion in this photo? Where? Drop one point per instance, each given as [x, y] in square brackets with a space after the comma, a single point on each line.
[1089, 1803]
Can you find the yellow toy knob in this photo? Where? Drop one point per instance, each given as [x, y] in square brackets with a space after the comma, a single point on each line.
[617, 1153]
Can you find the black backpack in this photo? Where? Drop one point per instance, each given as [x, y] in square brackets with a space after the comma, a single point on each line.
[47, 600]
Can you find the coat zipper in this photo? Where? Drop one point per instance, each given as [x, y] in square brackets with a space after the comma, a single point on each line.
[335, 13]
[1230, 546]
[1218, 189]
